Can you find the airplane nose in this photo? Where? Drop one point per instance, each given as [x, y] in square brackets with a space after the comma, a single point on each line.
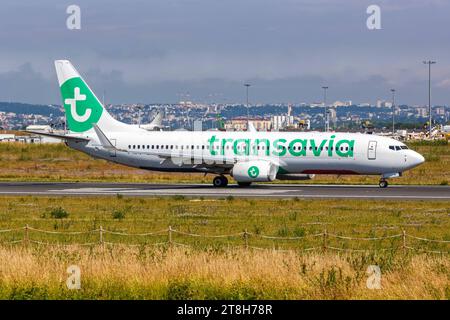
[416, 159]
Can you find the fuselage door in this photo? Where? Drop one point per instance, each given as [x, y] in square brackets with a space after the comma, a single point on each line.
[372, 150]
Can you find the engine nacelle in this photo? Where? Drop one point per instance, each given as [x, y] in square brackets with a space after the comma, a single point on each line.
[254, 171]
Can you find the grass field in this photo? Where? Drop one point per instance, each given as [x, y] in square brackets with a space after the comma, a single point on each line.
[28, 162]
[271, 261]
[127, 273]
[213, 268]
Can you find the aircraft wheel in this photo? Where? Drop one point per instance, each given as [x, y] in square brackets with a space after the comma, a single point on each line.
[383, 184]
[244, 184]
[220, 181]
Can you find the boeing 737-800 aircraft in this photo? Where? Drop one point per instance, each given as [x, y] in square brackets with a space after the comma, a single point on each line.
[247, 156]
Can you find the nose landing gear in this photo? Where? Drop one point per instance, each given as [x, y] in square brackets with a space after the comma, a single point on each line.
[383, 183]
[220, 182]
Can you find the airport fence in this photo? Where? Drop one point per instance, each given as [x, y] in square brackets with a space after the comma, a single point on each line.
[323, 241]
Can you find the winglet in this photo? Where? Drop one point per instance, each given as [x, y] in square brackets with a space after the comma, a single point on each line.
[104, 141]
[251, 127]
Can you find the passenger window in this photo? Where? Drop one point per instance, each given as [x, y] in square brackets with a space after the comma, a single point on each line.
[134, 146]
[129, 146]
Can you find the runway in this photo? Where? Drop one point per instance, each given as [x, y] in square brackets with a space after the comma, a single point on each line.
[262, 191]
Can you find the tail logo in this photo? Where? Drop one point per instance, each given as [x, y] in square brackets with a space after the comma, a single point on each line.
[82, 107]
[73, 106]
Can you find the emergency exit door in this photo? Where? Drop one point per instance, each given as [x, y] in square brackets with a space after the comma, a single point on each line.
[372, 150]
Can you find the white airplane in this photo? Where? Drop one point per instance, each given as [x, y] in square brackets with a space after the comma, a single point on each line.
[156, 123]
[246, 156]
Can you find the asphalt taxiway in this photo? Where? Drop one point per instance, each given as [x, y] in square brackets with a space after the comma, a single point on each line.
[264, 191]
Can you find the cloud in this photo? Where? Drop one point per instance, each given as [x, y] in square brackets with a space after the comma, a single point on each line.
[27, 85]
[153, 50]
[444, 83]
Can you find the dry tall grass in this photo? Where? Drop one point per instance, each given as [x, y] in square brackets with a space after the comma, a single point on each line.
[174, 273]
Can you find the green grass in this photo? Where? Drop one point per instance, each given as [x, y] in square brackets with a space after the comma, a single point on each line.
[279, 218]
[222, 268]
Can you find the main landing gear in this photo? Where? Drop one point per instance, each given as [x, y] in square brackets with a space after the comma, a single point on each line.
[220, 182]
[383, 183]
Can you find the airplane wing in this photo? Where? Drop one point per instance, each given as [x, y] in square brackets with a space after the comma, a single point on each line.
[208, 161]
[59, 136]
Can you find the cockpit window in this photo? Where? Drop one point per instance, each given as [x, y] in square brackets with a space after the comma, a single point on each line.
[397, 148]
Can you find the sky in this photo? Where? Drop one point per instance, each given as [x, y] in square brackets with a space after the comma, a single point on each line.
[164, 51]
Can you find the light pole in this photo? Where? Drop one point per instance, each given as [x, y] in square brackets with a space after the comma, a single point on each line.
[393, 111]
[247, 85]
[325, 105]
[429, 63]
[139, 115]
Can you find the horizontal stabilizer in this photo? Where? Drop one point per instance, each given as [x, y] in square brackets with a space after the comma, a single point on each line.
[59, 136]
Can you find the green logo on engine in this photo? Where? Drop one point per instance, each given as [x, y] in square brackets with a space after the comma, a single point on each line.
[253, 172]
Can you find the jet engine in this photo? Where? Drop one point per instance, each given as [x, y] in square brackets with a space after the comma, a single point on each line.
[254, 171]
